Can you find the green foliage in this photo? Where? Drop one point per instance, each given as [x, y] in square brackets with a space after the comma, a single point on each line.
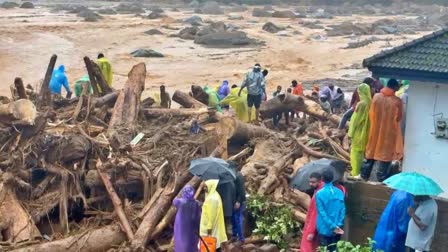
[345, 246]
[273, 221]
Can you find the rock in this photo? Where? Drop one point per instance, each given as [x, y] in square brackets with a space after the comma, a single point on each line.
[27, 5]
[312, 25]
[194, 20]
[156, 15]
[224, 39]
[212, 8]
[194, 4]
[9, 5]
[236, 17]
[147, 53]
[269, 248]
[107, 11]
[188, 33]
[89, 15]
[130, 8]
[153, 32]
[272, 28]
[284, 14]
[213, 28]
[261, 13]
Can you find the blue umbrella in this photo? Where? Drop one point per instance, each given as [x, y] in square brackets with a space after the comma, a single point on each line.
[212, 168]
[414, 183]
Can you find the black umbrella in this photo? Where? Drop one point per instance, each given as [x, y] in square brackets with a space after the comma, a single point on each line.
[300, 180]
[212, 168]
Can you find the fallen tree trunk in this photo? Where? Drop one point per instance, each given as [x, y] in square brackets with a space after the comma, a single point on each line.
[101, 239]
[186, 100]
[199, 94]
[158, 112]
[20, 88]
[314, 109]
[127, 106]
[92, 78]
[44, 98]
[281, 103]
[20, 112]
[316, 154]
[108, 100]
[237, 130]
[105, 88]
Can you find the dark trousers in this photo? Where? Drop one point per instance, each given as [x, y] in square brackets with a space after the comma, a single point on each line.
[329, 242]
[237, 223]
[383, 169]
[347, 115]
[277, 117]
[413, 250]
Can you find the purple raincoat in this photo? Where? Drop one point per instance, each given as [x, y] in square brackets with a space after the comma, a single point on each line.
[224, 90]
[186, 225]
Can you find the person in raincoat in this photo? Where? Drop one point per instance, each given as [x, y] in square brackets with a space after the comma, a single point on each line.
[238, 104]
[385, 142]
[213, 98]
[310, 241]
[186, 224]
[59, 80]
[330, 212]
[106, 68]
[404, 86]
[359, 128]
[223, 90]
[80, 82]
[390, 234]
[212, 218]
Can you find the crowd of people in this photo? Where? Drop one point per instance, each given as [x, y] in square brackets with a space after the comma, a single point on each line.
[222, 208]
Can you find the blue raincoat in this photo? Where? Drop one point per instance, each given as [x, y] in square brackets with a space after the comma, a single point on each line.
[330, 209]
[59, 79]
[224, 90]
[390, 234]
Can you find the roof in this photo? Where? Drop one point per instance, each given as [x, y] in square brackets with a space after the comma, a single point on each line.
[426, 56]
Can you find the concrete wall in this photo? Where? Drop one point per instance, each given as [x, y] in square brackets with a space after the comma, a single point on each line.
[424, 153]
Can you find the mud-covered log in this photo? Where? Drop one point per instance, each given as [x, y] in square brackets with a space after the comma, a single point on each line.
[199, 94]
[187, 101]
[44, 98]
[105, 88]
[20, 88]
[100, 239]
[281, 103]
[314, 109]
[92, 78]
[237, 130]
[108, 99]
[127, 106]
[158, 112]
[20, 112]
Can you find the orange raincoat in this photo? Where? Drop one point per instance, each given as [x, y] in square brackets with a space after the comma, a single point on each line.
[385, 138]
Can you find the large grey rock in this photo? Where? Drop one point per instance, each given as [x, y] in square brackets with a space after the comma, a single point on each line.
[146, 53]
[284, 14]
[130, 8]
[89, 16]
[272, 28]
[153, 32]
[224, 39]
[194, 20]
[156, 15]
[9, 5]
[27, 5]
[188, 33]
[107, 11]
[261, 13]
[212, 8]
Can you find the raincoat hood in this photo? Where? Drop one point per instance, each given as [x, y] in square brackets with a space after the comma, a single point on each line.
[364, 93]
[211, 184]
[225, 83]
[61, 68]
[188, 192]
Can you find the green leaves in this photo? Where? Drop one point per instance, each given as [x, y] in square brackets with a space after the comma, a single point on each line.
[273, 221]
[345, 246]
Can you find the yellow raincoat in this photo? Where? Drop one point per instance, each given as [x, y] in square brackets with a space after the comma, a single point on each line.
[106, 70]
[239, 104]
[212, 217]
[359, 128]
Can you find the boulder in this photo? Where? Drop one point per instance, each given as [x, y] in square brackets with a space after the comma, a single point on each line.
[224, 39]
[212, 8]
[153, 32]
[27, 5]
[188, 33]
[194, 20]
[107, 11]
[213, 28]
[261, 13]
[272, 28]
[9, 5]
[89, 16]
[284, 14]
[155, 15]
[146, 53]
[130, 8]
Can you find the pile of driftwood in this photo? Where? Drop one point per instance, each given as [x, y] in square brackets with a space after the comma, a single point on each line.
[100, 172]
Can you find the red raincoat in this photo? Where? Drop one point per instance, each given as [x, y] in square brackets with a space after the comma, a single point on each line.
[310, 223]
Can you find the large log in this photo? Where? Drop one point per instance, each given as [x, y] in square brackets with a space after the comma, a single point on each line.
[44, 98]
[20, 112]
[126, 109]
[237, 130]
[281, 103]
[158, 112]
[101, 239]
[92, 78]
[186, 100]
[199, 94]
[105, 88]
[20, 88]
[314, 109]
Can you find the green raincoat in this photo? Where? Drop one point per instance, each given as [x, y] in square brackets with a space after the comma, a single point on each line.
[213, 98]
[359, 128]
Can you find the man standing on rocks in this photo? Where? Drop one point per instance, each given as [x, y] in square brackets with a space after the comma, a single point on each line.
[254, 84]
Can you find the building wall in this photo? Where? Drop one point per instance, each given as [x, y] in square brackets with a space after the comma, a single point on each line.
[424, 153]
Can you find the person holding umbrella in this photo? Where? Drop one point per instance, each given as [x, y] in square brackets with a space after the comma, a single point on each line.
[212, 218]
